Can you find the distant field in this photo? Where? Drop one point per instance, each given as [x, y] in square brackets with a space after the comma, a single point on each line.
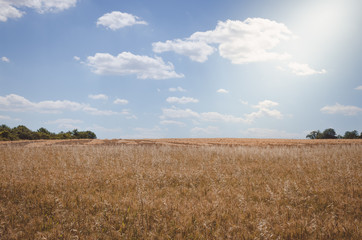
[181, 189]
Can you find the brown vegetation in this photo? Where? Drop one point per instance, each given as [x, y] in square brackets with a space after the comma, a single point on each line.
[181, 189]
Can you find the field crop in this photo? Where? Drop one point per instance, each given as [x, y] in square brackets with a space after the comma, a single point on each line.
[181, 189]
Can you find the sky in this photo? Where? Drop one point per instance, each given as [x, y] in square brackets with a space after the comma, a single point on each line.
[182, 69]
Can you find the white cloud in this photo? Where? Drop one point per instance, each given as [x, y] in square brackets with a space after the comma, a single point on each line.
[178, 113]
[210, 130]
[346, 110]
[244, 102]
[359, 88]
[76, 58]
[241, 42]
[100, 129]
[127, 63]
[98, 96]
[8, 11]
[182, 100]
[16, 103]
[218, 117]
[5, 117]
[8, 118]
[177, 89]
[116, 20]
[197, 50]
[5, 59]
[155, 132]
[266, 104]
[120, 101]
[10, 8]
[301, 69]
[66, 123]
[172, 122]
[269, 133]
[265, 108]
[221, 90]
[95, 111]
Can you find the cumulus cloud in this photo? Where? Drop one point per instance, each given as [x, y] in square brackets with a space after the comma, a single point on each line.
[268, 133]
[120, 101]
[126, 63]
[218, 117]
[65, 123]
[196, 50]
[301, 69]
[182, 100]
[155, 132]
[76, 58]
[221, 90]
[5, 59]
[98, 96]
[16, 103]
[243, 102]
[177, 89]
[172, 122]
[264, 108]
[8, 11]
[210, 130]
[8, 118]
[10, 8]
[359, 88]
[240, 42]
[116, 20]
[178, 113]
[346, 110]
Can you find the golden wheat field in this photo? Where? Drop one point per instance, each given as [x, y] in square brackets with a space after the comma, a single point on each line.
[181, 189]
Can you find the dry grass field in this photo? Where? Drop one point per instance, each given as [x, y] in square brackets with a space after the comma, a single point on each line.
[181, 189]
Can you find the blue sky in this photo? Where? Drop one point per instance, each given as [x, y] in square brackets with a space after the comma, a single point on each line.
[167, 68]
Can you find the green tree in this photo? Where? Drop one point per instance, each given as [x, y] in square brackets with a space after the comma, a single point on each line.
[43, 133]
[3, 127]
[314, 135]
[329, 133]
[351, 134]
[87, 135]
[23, 133]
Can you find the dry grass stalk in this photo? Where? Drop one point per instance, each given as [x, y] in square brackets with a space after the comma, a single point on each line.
[180, 192]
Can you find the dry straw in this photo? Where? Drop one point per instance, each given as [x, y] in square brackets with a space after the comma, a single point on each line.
[154, 191]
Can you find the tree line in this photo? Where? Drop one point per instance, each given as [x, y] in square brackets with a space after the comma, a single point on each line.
[23, 133]
[330, 133]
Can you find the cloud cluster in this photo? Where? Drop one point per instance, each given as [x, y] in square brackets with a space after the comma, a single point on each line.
[264, 108]
[126, 63]
[221, 90]
[268, 133]
[98, 96]
[65, 123]
[301, 69]
[5, 59]
[16, 103]
[116, 20]
[182, 100]
[120, 101]
[196, 50]
[346, 110]
[177, 89]
[11, 8]
[241, 42]
[210, 130]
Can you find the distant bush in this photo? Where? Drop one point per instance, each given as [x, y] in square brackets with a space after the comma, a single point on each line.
[329, 133]
[23, 133]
